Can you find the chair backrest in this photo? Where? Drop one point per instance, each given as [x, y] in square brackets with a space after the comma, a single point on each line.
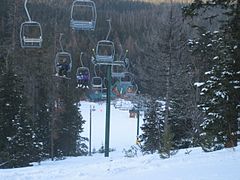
[83, 15]
[31, 35]
[118, 71]
[105, 51]
[97, 82]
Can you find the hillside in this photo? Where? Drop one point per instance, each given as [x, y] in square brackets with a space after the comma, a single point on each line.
[176, 61]
[187, 164]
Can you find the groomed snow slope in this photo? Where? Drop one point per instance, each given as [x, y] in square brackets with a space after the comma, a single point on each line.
[197, 165]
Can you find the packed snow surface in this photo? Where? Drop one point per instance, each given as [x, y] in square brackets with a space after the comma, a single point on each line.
[187, 164]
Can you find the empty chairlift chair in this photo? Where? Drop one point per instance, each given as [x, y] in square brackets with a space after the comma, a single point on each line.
[30, 32]
[118, 71]
[105, 52]
[31, 35]
[83, 15]
[97, 83]
[126, 80]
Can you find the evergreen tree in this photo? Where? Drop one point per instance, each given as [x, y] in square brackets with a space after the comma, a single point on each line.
[69, 126]
[166, 64]
[41, 108]
[221, 86]
[152, 127]
[167, 142]
[180, 124]
[219, 96]
[157, 135]
[41, 125]
[17, 140]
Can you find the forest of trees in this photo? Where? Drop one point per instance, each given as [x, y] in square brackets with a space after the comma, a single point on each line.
[201, 101]
[185, 58]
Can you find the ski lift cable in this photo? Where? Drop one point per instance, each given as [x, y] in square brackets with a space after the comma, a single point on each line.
[110, 27]
[26, 10]
[121, 50]
[60, 41]
[104, 82]
[81, 59]
[126, 60]
[95, 70]
[125, 55]
[122, 56]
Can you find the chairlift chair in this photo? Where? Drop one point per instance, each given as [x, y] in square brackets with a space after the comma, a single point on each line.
[118, 71]
[60, 58]
[31, 35]
[82, 70]
[124, 86]
[105, 52]
[126, 80]
[83, 76]
[127, 86]
[97, 83]
[131, 90]
[83, 15]
[30, 32]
